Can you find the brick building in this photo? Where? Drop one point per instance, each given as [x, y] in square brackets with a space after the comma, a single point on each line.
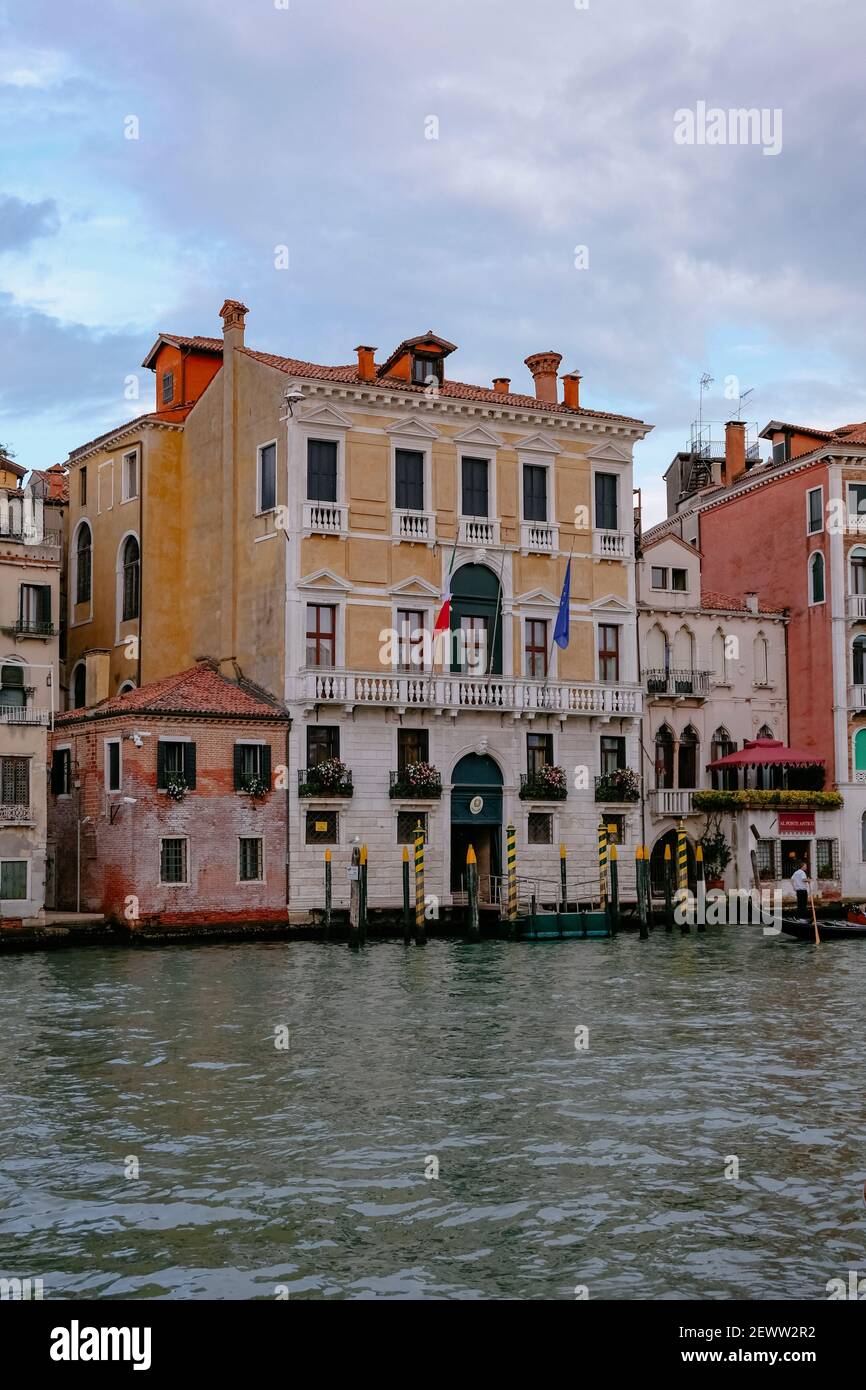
[169, 802]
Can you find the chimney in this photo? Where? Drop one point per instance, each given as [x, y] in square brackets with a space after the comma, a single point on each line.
[544, 367]
[502, 384]
[571, 390]
[735, 451]
[752, 602]
[233, 314]
[366, 363]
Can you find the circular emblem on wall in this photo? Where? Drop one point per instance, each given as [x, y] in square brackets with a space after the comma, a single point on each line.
[476, 805]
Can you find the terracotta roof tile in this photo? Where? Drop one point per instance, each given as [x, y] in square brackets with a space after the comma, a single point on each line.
[451, 390]
[711, 598]
[200, 690]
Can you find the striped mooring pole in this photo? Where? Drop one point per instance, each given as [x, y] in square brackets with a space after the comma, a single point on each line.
[472, 891]
[682, 873]
[420, 926]
[407, 910]
[614, 889]
[362, 914]
[701, 890]
[602, 866]
[327, 894]
[511, 871]
[669, 889]
[640, 882]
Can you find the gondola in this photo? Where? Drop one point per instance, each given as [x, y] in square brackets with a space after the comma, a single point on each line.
[836, 930]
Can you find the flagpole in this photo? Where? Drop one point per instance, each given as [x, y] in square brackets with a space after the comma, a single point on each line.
[553, 638]
[496, 615]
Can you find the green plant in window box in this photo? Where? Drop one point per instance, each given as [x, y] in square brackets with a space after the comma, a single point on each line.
[418, 779]
[620, 785]
[330, 777]
[548, 783]
[175, 786]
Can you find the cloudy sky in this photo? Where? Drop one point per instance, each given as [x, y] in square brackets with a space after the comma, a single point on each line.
[308, 127]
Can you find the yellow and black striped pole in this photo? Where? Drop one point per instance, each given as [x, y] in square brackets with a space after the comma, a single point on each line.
[602, 866]
[511, 870]
[420, 930]
[682, 875]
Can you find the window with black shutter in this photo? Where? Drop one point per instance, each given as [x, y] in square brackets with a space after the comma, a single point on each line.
[252, 762]
[267, 477]
[175, 759]
[606, 518]
[475, 491]
[534, 492]
[321, 470]
[409, 480]
[61, 772]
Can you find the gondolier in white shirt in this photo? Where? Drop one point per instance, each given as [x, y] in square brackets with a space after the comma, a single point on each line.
[801, 885]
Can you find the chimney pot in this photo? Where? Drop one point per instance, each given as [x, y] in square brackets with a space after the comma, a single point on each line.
[544, 367]
[502, 384]
[366, 362]
[571, 390]
[752, 602]
[233, 313]
[735, 450]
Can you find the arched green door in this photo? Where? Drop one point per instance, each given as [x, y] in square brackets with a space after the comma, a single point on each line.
[860, 751]
[476, 777]
[476, 610]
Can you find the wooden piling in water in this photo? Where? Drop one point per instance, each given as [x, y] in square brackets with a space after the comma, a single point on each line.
[669, 889]
[699, 869]
[602, 865]
[355, 897]
[614, 889]
[472, 892]
[407, 910]
[420, 904]
[328, 894]
[640, 883]
[682, 874]
[563, 880]
[362, 914]
[511, 871]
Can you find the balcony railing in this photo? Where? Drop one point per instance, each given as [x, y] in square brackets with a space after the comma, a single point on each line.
[857, 606]
[47, 543]
[857, 697]
[453, 693]
[669, 683]
[400, 786]
[478, 531]
[31, 627]
[667, 801]
[311, 784]
[610, 545]
[23, 714]
[18, 814]
[539, 537]
[326, 518]
[413, 526]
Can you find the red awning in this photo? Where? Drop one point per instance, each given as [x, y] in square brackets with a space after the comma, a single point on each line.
[767, 752]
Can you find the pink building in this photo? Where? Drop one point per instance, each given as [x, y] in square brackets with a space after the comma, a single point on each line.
[167, 804]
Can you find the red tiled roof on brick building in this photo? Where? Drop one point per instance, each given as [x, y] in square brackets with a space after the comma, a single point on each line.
[200, 690]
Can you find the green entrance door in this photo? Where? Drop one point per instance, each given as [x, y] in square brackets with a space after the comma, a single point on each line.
[476, 779]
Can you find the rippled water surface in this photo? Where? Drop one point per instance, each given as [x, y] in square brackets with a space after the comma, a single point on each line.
[306, 1168]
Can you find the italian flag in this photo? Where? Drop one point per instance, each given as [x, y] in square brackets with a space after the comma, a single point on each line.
[443, 622]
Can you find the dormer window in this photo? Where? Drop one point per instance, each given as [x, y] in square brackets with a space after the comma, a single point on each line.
[167, 388]
[424, 367]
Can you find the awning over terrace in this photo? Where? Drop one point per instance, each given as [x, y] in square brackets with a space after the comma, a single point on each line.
[766, 752]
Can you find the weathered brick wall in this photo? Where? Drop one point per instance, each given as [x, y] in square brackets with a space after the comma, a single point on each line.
[120, 858]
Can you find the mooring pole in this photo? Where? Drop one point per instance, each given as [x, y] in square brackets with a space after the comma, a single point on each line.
[407, 911]
[355, 896]
[327, 894]
[511, 871]
[563, 877]
[362, 915]
[602, 866]
[614, 890]
[701, 891]
[682, 875]
[640, 882]
[472, 886]
[420, 926]
[669, 889]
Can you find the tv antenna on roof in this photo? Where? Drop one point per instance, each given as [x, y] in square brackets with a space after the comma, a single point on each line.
[743, 397]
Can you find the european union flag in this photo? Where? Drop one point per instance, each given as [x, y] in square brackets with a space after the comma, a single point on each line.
[560, 632]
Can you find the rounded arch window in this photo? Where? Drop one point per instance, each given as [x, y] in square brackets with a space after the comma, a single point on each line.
[79, 687]
[131, 572]
[83, 563]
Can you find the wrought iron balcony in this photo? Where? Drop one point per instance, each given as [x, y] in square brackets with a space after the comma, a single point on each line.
[32, 627]
[672, 683]
[312, 782]
[401, 786]
[620, 786]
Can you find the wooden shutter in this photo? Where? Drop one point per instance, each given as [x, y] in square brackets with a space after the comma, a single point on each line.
[534, 492]
[409, 479]
[189, 765]
[321, 470]
[43, 604]
[160, 767]
[57, 771]
[239, 783]
[475, 501]
[266, 765]
[605, 502]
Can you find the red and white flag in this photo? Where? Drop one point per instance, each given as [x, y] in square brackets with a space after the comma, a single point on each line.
[443, 622]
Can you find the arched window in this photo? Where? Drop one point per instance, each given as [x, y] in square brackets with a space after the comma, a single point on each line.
[131, 578]
[816, 577]
[859, 662]
[720, 656]
[720, 746]
[858, 571]
[684, 651]
[762, 660]
[765, 732]
[12, 692]
[658, 660]
[687, 762]
[664, 758]
[79, 686]
[126, 687]
[860, 752]
[476, 613]
[83, 554]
